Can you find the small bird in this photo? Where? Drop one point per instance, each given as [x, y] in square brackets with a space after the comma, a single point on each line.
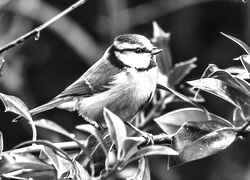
[123, 81]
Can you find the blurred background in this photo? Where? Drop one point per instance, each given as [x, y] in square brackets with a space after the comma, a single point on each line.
[37, 70]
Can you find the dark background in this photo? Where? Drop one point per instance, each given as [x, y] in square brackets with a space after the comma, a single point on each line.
[36, 71]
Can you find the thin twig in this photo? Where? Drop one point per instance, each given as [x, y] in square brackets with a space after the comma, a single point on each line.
[36, 32]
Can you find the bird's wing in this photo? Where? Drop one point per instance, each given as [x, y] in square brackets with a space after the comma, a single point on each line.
[94, 80]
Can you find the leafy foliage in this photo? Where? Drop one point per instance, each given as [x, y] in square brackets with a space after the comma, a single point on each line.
[188, 134]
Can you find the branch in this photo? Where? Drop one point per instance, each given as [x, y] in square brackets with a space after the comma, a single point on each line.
[161, 139]
[36, 31]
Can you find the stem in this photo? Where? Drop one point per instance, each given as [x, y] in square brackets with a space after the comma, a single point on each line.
[72, 145]
[155, 110]
[241, 131]
[36, 31]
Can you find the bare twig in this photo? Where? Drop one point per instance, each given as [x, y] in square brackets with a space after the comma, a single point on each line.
[75, 35]
[36, 31]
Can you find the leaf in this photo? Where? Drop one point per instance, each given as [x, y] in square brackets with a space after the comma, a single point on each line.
[130, 148]
[93, 131]
[196, 140]
[238, 72]
[245, 60]
[1, 64]
[172, 121]
[245, 110]
[15, 105]
[183, 97]
[12, 162]
[244, 84]
[143, 171]
[228, 79]
[148, 151]
[1, 143]
[50, 125]
[238, 118]
[55, 160]
[82, 174]
[180, 70]
[117, 131]
[47, 144]
[161, 39]
[209, 70]
[153, 150]
[216, 87]
[97, 153]
[131, 145]
[239, 42]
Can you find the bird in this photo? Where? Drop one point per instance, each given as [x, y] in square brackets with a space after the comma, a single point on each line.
[123, 80]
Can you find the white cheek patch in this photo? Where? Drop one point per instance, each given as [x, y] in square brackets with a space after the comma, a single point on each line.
[134, 60]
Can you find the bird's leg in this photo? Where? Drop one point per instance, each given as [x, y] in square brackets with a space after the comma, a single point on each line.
[147, 136]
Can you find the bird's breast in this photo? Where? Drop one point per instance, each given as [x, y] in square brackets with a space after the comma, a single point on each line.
[128, 92]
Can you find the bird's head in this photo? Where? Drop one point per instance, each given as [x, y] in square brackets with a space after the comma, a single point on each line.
[135, 51]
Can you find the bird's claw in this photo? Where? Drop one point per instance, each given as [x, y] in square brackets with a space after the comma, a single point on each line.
[149, 137]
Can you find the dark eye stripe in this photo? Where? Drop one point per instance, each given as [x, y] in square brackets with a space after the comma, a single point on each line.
[136, 50]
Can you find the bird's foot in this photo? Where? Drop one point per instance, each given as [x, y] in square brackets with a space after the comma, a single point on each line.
[149, 137]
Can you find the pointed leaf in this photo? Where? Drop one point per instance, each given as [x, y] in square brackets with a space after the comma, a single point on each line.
[239, 42]
[216, 87]
[238, 72]
[1, 64]
[245, 60]
[117, 131]
[153, 150]
[183, 97]
[82, 173]
[55, 160]
[47, 144]
[1, 143]
[50, 125]
[12, 162]
[180, 70]
[237, 118]
[97, 153]
[161, 39]
[229, 80]
[209, 70]
[245, 110]
[131, 145]
[172, 121]
[15, 105]
[196, 140]
[148, 151]
[92, 130]
[143, 171]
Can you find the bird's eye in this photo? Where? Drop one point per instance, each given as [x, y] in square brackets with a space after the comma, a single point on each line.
[138, 50]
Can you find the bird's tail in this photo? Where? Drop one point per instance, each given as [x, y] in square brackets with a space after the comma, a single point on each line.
[45, 107]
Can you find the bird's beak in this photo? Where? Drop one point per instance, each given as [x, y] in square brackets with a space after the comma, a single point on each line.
[156, 50]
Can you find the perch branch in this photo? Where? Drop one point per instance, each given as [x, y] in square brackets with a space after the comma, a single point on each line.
[161, 139]
[36, 32]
